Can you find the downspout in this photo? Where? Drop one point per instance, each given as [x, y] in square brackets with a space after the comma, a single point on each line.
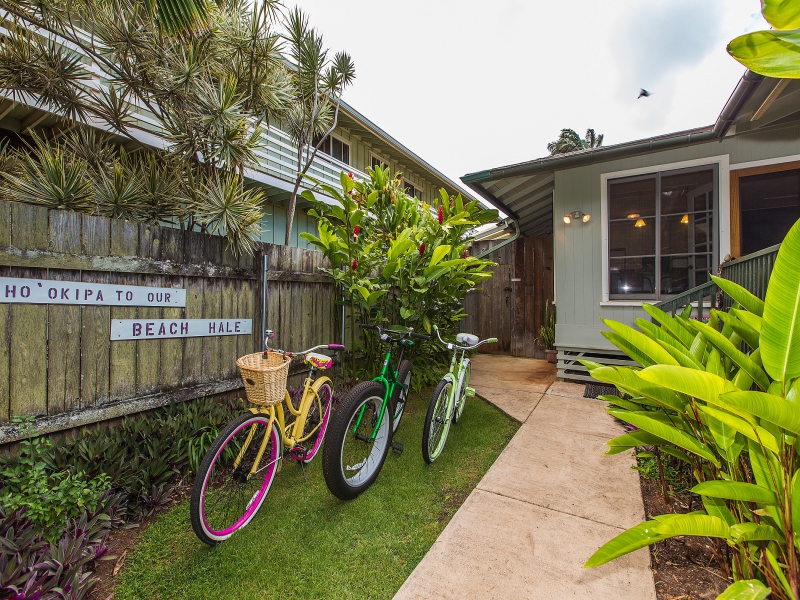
[264, 299]
[513, 238]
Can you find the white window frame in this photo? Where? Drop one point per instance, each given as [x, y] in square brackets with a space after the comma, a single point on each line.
[723, 210]
[380, 158]
[349, 149]
[421, 188]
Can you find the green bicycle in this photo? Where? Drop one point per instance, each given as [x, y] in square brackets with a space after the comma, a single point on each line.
[363, 424]
[450, 396]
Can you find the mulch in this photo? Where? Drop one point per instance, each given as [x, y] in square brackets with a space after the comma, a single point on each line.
[687, 568]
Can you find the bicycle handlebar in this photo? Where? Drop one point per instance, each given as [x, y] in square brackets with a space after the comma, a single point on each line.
[401, 334]
[460, 347]
[270, 335]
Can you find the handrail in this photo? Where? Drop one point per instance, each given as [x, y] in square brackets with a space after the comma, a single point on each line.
[752, 272]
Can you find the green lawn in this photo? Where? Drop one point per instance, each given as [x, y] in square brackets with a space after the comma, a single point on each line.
[304, 543]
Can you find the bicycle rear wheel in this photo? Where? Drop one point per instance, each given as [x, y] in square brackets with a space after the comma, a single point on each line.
[319, 415]
[225, 497]
[350, 461]
[400, 395]
[463, 384]
[437, 422]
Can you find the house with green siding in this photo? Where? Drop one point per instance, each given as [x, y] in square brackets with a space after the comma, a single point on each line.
[648, 220]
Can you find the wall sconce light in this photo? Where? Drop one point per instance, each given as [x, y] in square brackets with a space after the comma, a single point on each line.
[685, 219]
[576, 214]
[640, 223]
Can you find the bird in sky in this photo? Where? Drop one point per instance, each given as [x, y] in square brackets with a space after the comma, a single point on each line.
[643, 92]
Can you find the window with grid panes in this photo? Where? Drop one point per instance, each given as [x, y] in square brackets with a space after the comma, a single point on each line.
[661, 233]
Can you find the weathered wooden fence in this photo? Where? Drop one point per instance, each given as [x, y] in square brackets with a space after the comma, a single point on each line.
[58, 363]
[510, 306]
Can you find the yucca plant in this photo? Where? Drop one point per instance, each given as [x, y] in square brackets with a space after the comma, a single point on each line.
[723, 397]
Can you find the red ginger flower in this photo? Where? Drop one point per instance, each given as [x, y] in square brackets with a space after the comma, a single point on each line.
[441, 214]
[355, 231]
[464, 254]
[350, 174]
[422, 248]
[355, 264]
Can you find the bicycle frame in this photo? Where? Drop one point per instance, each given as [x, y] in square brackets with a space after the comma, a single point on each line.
[292, 438]
[387, 378]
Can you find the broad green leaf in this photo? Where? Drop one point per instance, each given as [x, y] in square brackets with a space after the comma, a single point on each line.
[666, 432]
[780, 330]
[697, 525]
[714, 363]
[649, 347]
[726, 347]
[678, 351]
[670, 324]
[691, 382]
[398, 248]
[626, 378]
[724, 435]
[439, 253]
[781, 14]
[754, 432]
[617, 401]
[774, 409]
[390, 269]
[751, 320]
[735, 490]
[308, 195]
[751, 532]
[632, 440]
[363, 291]
[770, 53]
[752, 303]
[347, 183]
[698, 347]
[628, 348]
[748, 334]
[374, 296]
[682, 456]
[717, 507]
[778, 570]
[628, 541]
[745, 589]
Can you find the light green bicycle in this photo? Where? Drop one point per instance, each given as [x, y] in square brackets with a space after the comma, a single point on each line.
[450, 396]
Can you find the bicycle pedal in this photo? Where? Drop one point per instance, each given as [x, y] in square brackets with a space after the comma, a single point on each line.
[397, 448]
[470, 391]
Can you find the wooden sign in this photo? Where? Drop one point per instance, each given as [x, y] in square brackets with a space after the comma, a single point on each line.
[45, 291]
[152, 329]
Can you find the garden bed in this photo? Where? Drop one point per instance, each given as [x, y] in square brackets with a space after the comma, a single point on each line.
[683, 568]
[306, 543]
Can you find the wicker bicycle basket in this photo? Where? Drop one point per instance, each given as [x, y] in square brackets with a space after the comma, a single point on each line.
[264, 378]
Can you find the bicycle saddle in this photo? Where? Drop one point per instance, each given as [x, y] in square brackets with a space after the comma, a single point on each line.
[319, 361]
[467, 339]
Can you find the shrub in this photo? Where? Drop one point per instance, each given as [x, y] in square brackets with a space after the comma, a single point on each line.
[732, 415]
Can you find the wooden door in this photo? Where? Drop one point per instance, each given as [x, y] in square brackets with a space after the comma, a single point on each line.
[492, 304]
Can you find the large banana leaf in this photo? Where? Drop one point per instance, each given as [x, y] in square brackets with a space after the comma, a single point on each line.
[717, 507]
[772, 408]
[747, 333]
[743, 296]
[676, 348]
[691, 382]
[724, 435]
[666, 432]
[627, 379]
[780, 330]
[669, 323]
[745, 589]
[752, 320]
[752, 532]
[754, 432]
[634, 538]
[632, 440]
[649, 347]
[699, 525]
[726, 347]
[771, 53]
[629, 348]
[781, 14]
[735, 490]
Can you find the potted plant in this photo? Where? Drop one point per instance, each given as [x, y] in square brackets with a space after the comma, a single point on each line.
[547, 333]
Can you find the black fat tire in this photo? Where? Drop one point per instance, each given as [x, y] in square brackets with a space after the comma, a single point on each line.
[339, 429]
[403, 371]
[426, 431]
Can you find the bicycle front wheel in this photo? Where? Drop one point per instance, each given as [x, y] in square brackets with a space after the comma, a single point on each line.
[233, 480]
[437, 422]
[351, 461]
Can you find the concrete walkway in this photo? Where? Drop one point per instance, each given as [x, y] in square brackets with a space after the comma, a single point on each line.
[548, 502]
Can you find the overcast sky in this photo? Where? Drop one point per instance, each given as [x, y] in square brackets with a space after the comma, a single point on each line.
[473, 85]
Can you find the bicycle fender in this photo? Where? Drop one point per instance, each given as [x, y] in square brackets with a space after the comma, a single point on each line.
[448, 377]
[318, 384]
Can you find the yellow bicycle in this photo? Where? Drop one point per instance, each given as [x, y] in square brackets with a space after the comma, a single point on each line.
[237, 471]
